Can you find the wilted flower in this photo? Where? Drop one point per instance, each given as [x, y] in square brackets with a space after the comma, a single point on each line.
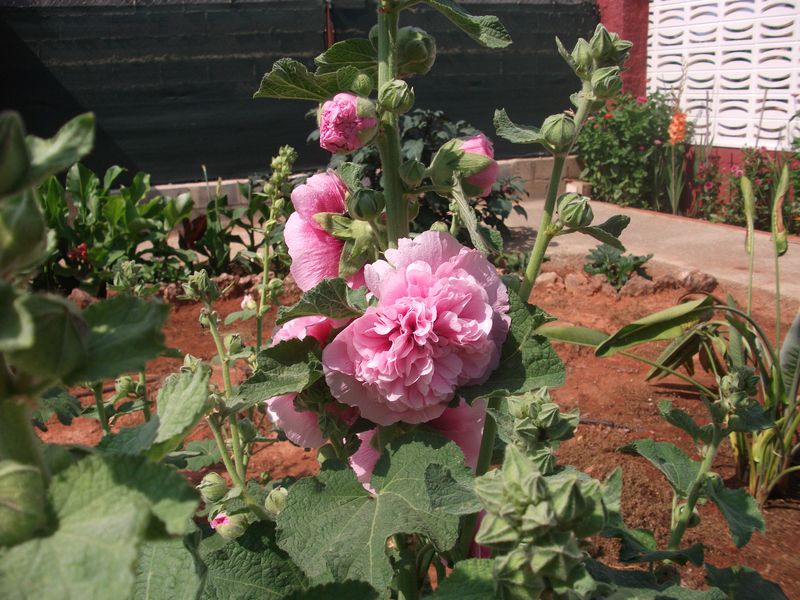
[315, 252]
[346, 123]
[439, 324]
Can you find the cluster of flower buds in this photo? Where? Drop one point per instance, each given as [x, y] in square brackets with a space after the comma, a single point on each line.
[200, 287]
[598, 61]
[574, 211]
[275, 186]
[538, 523]
[737, 402]
[536, 426]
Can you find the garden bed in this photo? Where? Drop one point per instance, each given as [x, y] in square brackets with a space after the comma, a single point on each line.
[617, 406]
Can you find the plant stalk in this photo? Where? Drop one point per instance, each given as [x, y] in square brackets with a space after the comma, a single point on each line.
[18, 442]
[145, 401]
[97, 390]
[407, 587]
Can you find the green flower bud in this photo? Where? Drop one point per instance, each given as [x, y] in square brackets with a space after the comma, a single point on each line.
[489, 489]
[365, 204]
[275, 501]
[556, 558]
[496, 532]
[606, 82]
[275, 286]
[190, 364]
[396, 96]
[22, 510]
[233, 343]
[61, 337]
[412, 172]
[279, 204]
[602, 47]
[14, 159]
[248, 430]
[514, 578]
[362, 85]
[440, 226]
[125, 385]
[574, 212]
[212, 488]
[229, 527]
[199, 286]
[582, 55]
[416, 51]
[559, 133]
[23, 234]
[538, 519]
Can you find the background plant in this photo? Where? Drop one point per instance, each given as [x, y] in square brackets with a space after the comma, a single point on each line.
[612, 264]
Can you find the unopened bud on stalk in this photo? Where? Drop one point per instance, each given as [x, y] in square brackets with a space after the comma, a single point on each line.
[396, 96]
[275, 501]
[362, 85]
[412, 172]
[574, 210]
[190, 364]
[606, 82]
[365, 204]
[416, 51]
[125, 385]
[346, 123]
[229, 527]
[559, 133]
[582, 55]
[199, 286]
[275, 287]
[233, 343]
[212, 488]
[279, 204]
[602, 46]
[440, 226]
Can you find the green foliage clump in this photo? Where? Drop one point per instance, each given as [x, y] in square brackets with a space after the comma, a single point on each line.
[612, 264]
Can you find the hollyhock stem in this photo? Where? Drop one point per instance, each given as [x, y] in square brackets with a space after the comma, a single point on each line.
[97, 390]
[389, 137]
[145, 401]
[18, 442]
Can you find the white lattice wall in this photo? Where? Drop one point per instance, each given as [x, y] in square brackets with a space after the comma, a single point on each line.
[736, 54]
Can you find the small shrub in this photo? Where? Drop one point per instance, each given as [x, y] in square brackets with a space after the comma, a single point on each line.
[616, 267]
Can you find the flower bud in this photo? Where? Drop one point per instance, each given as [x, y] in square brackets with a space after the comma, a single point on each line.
[275, 286]
[496, 532]
[515, 580]
[365, 204]
[275, 501]
[606, 82]
[602, 47]
[22, 511]
[279, 204]
[23, 234]
[582, 56]
[14, 159]
[472, 157]
[396, 96]
[199, 286]
[212, 488]
[362, 85]
[229, 527]
[559, 133]
[574, 210]
[440, 226]
[416, 51]
[190, 364]
[125, 385]
[233, 343]
[412, 172]
[248, 302]
[248, 431]
[346, 123]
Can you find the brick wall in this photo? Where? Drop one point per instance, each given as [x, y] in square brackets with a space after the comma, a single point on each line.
[171, 81]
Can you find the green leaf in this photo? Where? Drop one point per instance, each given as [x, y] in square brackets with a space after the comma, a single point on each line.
[290, 366]
[350, 174]
[679, 469]
[468, 219]
[59, 402]
[22, 509]
[355, 52]
[169, 570]
[290, 79]
[527, 361]
[743, 583]
[573, 334]
[680, 352]
[102, 506]
[790, 357]
[332, 526]
[609, 232]
[251, 566]
[349, 590]
[749, 204]
[486, 30]
[182, 402]
[329, 298]
[16, 323]
[627, 584]
[200, 454]
[739, 509]
[131, 440]
[125, 333]
[779, 235]
[516, 134]
[449, 495]
[684, 421]
[662, 325]
[471, 579]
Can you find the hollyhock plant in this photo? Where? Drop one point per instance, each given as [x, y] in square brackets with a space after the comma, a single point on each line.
[346, 123]
[316, 253]
[484, 179]
[439, 324]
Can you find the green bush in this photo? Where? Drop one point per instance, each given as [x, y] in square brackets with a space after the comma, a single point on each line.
[616, 267]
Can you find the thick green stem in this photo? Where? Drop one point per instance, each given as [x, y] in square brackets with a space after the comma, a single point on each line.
[145, 400]
[695, 489]
[777, 299]
[262, 294]
[97, 390]
[406, 570]
[389, 136]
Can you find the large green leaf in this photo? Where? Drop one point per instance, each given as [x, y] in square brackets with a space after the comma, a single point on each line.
[59, 402]
[662, 325]
[448, 494]
[609, 231]
[290, 366]
[182, 402]
[516, 134]
[251, 566]
[125, 333]
[679, 469]
[332, 526]
[790, 357]
[486, 30]
[469, 220]
[574, 334]
[329, 298]
[355, 52]
[739, 509]
[743, 583]
[779, 235]
[169, 570]
[16, 324]
[470, 580]
[102, 508]
[627, 584]
[527, 361]
[682, 420]
[349, 590]
[290, 79]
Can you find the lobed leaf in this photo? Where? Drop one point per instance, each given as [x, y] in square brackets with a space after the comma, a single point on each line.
[471, 579]
[739, 509]
[685, 422]
[516, 134]
[290, 79]
[609, 231]
[169, 570]
[355, 52]
[486, 30]
[679, 469]
[743, 583]
[330, 298]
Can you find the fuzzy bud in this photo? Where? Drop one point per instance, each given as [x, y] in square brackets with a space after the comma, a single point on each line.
[416, 51]
[440, 226]
[574, 210]
[473, 158]
[363, 85]
[212, 488]
[412, 172]
[602, 47]
[396, 96]
[606, 82]
[229, 527]
[582, 56]
[234, 343]
[199, 286]
[346, 123]
[125, 385]
[559, 133]
[248, 302]
[275, 501]
[365, 204]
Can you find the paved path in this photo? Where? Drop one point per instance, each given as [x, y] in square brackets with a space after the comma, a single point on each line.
[681, 243]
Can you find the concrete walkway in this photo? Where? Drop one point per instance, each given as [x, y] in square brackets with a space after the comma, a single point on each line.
[681, 243]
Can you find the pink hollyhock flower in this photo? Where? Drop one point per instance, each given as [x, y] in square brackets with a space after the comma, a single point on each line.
[439, 324]
[346, 123]
[463, 425]
[315, 253]
[707, 186]
[301, 427]
[641, 99]
[484, 180]
[220, 519]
